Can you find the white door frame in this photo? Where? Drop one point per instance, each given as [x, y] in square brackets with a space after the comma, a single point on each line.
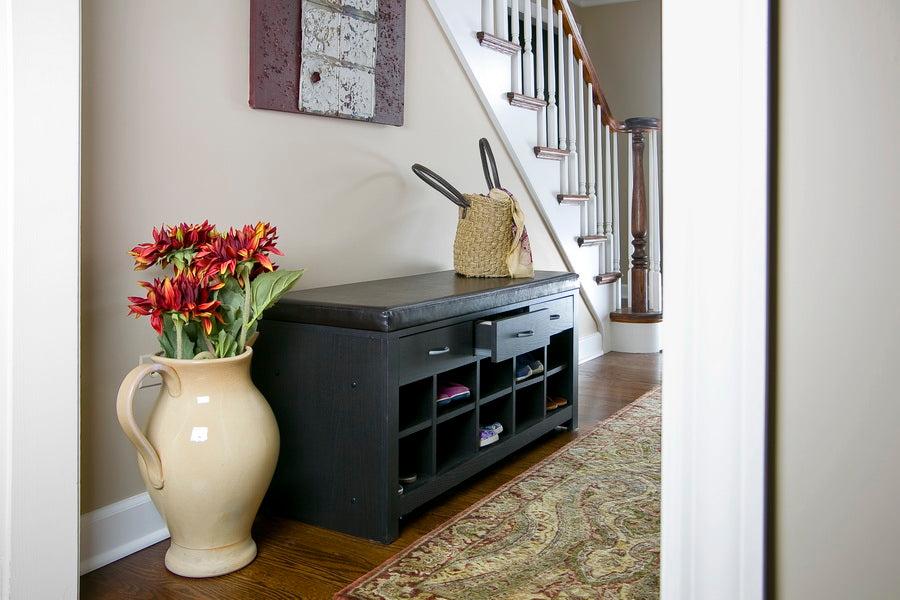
[715, 100]
[714, 374]
[40, 61]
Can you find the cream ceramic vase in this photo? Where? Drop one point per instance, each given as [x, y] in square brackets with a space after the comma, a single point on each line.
[207, 457]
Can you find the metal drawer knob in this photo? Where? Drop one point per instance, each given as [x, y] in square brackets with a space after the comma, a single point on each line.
[436, 351]
[555, 317]
[528, 333]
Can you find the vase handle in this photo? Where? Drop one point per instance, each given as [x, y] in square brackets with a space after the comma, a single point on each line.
[125, 411]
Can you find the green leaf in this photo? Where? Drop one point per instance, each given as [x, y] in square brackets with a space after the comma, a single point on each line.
[268, 287]
[167, 345]
[167, 339]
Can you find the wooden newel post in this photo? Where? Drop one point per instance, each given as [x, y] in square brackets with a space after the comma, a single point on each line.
[640, 263]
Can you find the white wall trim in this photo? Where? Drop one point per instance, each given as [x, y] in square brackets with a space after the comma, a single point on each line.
[40, 80]
[6, 300]
[636, 338]
[590, 347]
[715, 327]
[115, 531]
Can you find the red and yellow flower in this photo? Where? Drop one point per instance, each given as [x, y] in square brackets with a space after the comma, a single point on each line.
[169, 241]
[184, 297]
[249, 246]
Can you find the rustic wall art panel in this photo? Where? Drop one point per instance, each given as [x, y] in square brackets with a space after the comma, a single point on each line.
[337, 58]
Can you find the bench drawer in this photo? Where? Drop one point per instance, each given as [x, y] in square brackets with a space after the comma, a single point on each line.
[511, 336]
[562, 313]
[430, 352]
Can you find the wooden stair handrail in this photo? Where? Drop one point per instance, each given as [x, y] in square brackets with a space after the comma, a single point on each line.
[590, 76]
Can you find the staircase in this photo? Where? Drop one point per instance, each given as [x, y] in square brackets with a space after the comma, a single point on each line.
[529, 65]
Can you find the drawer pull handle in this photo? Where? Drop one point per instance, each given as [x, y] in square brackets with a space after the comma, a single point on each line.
[436, 351]
[528, 333]
[555, 317]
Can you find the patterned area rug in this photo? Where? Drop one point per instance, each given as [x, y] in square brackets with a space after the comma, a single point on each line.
[583, 523]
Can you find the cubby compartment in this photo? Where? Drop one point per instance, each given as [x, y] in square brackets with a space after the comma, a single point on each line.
[456, 441]
[530, 402]
[559, 352]
[415, 458]
[415, 404]
[456, 380]
[536, 358]
[499, 410]
[559, 385]
[496, 378]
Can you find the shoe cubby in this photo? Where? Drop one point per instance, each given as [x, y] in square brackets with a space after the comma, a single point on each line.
[529, 406]
[496, 378]
[463, 376]
[560, 386]
[559, 351]
[456, 441]
[498, 410]
[356, 370]
[415, 452]
[415, 404]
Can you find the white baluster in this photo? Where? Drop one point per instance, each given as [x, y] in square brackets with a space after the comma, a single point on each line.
[571, 115]
[589, 154]
[617, 254]
[561, 80]
[552, 112]
[500, 19]
[608, 202]
[582, 143]
[487, 16]
[561, 83]
[539, 79]
[528, 57]
[598, 168]
[517, 57]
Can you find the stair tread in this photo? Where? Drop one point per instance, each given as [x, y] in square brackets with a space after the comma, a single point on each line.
[493, 42]
[550, 153]
[605, 278]
[526, 102]
[590, 240]
[572, 198]
[626, 315]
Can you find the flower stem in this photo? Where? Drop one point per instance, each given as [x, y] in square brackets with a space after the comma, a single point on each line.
[245, 314]
[178, 337]
[209, 344]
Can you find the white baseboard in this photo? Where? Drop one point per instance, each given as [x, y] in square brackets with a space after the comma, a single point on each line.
[590, 347]
[115, 531]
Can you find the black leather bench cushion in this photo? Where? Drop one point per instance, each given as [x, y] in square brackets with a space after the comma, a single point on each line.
[402, 302]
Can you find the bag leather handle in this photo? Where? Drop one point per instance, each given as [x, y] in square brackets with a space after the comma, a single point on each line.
[441, 185]
[488, 164]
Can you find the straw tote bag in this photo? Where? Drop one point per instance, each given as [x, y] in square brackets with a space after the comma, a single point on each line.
[491, 240]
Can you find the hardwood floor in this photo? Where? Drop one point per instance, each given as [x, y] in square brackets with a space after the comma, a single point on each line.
[299, 561]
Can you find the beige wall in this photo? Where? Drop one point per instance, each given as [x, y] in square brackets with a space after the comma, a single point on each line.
[837, 413]
[168, 136]
[624, 41]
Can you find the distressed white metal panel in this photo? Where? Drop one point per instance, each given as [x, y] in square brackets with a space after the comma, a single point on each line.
[337, 67]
